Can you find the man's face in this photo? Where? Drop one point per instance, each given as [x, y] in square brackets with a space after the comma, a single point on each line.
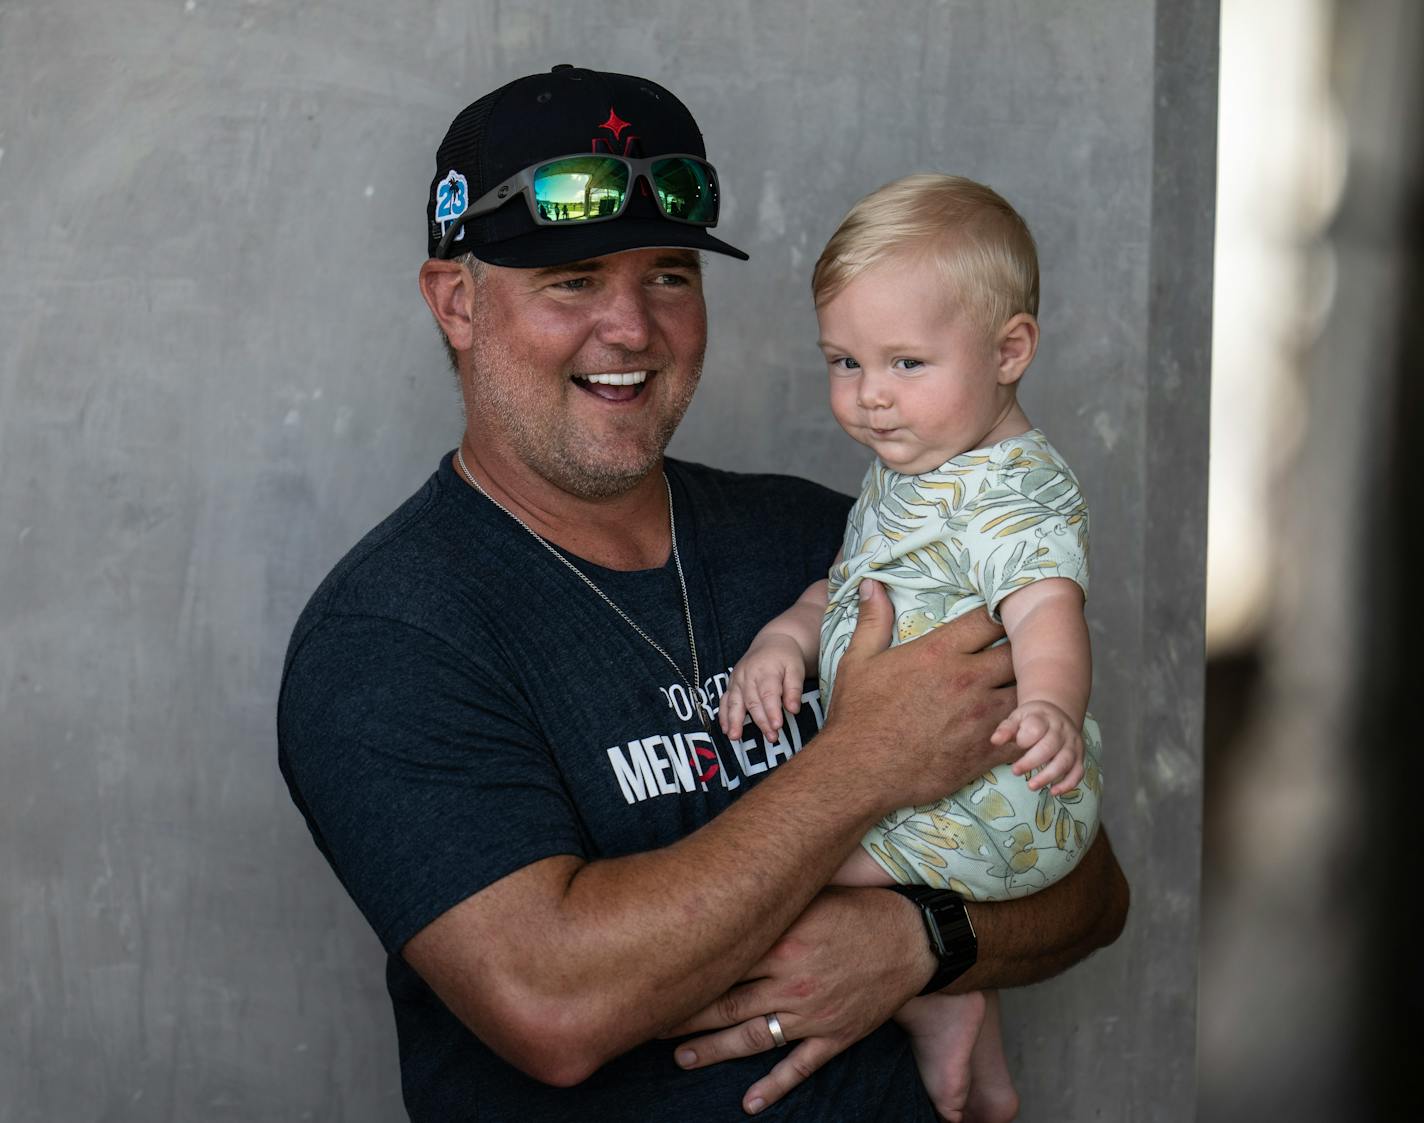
[582, 372]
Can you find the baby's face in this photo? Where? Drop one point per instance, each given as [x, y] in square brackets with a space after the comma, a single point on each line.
[910, 377]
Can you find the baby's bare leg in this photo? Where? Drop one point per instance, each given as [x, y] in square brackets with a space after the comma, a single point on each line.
[959, 1050]
[957, 1039]
[861, 869]
[992, 1096]
[944, 1029]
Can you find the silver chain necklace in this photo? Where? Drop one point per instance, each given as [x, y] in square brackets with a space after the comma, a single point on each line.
[703, 713]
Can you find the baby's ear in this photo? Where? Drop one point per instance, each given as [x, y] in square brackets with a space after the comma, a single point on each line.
[1017, 345]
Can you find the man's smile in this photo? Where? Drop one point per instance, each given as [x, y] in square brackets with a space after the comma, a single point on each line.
[614, 386]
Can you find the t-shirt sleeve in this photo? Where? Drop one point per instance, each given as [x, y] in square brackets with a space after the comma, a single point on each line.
[419, 772]
[1029, 524]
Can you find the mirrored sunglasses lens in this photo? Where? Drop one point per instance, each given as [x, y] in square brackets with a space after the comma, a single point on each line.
[687, 189]
[579, 188]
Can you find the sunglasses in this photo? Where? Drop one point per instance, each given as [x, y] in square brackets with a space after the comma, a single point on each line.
[578, 190]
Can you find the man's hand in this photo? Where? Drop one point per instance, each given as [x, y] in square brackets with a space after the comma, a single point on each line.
[920, 715]
[824, 989]
[855, 955]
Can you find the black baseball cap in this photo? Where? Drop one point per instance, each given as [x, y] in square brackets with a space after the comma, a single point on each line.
[568, 110]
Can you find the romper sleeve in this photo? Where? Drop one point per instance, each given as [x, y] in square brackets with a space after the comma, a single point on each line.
[1028, 523]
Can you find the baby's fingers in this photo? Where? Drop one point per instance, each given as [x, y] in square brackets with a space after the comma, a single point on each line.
[732, 714]
[1067, 764]
[765, 707]
[1006, 730]
[1033, 731]
[791, 690]
[1056, 768]
[1070, 781]
[1039, 753]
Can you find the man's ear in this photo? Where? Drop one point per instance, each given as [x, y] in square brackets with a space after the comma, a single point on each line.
[1016, 346]
[449, 291]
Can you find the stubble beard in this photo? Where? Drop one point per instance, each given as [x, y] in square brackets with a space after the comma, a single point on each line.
[560, 453]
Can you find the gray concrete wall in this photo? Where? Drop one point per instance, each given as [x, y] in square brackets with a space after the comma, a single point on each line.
[216, 373]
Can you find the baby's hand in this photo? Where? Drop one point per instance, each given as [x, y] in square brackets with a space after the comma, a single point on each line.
[1051, 743]
[768, 677]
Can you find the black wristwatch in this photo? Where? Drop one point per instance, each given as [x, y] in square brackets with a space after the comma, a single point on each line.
[952, 937]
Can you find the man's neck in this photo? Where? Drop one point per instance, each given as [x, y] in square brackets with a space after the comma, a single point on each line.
[626, 531]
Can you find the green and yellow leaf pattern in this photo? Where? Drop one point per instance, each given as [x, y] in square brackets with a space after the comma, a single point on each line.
[943, 543]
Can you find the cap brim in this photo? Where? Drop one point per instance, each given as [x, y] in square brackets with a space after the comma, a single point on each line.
[559, 245]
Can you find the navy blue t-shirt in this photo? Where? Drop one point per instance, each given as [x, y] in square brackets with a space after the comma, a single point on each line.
[457, 704]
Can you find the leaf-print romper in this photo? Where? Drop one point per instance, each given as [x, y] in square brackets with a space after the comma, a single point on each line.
[946, 542]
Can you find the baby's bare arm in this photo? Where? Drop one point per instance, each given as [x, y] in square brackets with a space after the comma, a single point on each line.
[1048, 636]
[769, 676]
[1054, 668]
[802, 623]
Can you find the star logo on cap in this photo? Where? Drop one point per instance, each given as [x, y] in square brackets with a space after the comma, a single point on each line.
[615, 124]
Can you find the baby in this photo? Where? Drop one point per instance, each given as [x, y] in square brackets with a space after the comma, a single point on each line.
[926, 297]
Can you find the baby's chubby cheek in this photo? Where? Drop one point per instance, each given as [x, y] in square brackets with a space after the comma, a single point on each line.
[847, 414]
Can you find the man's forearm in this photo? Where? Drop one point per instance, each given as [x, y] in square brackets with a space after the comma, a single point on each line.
[607, 954]
[780, 843]
[724, 893]
[565, 963]
[857, 954]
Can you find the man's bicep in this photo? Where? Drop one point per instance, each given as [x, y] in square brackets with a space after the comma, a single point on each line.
[490, 958]
[418, 777]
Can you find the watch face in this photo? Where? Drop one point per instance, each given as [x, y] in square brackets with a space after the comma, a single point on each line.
[949, 930]
[936, 936]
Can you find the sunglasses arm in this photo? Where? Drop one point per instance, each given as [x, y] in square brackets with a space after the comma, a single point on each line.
[491, 200]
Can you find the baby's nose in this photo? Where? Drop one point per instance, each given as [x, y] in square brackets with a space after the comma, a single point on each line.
[874, 392]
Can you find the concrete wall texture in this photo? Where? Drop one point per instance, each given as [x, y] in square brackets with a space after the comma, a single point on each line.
[216, 373]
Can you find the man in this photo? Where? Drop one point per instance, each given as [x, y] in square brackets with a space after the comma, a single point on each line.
[496, 717]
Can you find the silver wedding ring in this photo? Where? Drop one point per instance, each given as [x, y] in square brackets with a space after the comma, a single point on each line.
[773, 1023]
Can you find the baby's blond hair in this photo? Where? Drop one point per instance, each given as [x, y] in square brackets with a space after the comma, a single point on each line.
[980, 244]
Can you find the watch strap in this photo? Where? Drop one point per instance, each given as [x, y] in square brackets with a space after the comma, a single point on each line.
[950, 932]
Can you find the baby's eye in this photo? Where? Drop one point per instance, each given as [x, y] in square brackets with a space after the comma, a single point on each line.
[909, 364]
[845, 362]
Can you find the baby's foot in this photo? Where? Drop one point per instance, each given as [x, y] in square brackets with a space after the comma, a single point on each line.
[943, 1029]
[992, 1096]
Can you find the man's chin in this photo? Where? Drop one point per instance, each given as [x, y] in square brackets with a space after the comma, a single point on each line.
[606, 478]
